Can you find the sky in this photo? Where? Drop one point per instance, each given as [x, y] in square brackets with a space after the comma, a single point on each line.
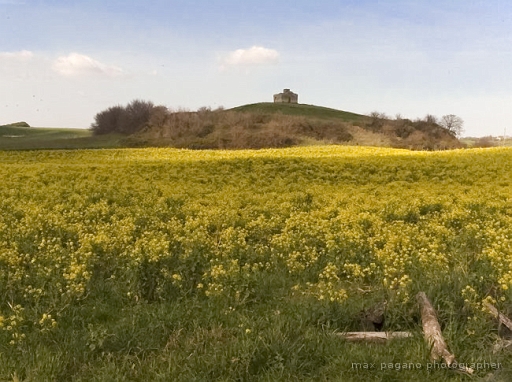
[61, 62]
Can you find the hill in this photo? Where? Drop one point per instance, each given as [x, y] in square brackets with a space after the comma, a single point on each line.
[254, 126]
[263, 125]
[18, 124]
[303, 110]
[16, 137]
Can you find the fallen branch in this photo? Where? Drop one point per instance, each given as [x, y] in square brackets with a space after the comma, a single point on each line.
[433, 334]
[373, 336]
[504, 320]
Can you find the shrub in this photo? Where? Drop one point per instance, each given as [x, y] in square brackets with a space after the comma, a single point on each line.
[404, 128]
[107, 121]
[126, 120]
[430, 119]
[376, 122]
[208, 128]
[158, 116]
[136, 116]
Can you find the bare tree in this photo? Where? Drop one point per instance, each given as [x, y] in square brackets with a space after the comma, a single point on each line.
[377, 120]
[431, 119]
[107, 121]
[137, 114]
[158, 117]
[126, 120]
[453, 124]
[378, 115]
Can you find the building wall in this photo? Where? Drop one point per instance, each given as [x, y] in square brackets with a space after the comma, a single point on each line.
[286, 96]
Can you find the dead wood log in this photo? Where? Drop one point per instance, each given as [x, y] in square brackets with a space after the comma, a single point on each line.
[432, 330]
[504, 320]
[373, 336]
[433, 334]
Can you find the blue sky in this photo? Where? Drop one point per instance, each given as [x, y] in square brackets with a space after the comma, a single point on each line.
[61, 62]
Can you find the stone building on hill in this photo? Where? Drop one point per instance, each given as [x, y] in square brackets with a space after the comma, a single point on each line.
[287, 96]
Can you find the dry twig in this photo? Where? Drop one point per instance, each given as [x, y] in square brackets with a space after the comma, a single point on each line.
[373, 336]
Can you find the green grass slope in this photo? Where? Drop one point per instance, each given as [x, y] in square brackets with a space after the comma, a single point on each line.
[300, 110]
[29, 138]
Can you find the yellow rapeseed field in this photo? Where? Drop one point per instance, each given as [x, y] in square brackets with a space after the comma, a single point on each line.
[332, 221]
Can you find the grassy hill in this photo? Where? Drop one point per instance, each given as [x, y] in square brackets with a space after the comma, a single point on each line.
[28, 138]
[254, 126]
[310, 111]
[263, 125]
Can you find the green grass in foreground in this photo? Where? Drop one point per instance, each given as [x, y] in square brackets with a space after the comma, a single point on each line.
[106, 339]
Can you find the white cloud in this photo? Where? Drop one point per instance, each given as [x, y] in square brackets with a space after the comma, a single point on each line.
[22, 55]
[76, 64]
[256, 55]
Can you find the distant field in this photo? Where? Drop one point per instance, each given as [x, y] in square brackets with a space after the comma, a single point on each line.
[486, 142]
[30, 138]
